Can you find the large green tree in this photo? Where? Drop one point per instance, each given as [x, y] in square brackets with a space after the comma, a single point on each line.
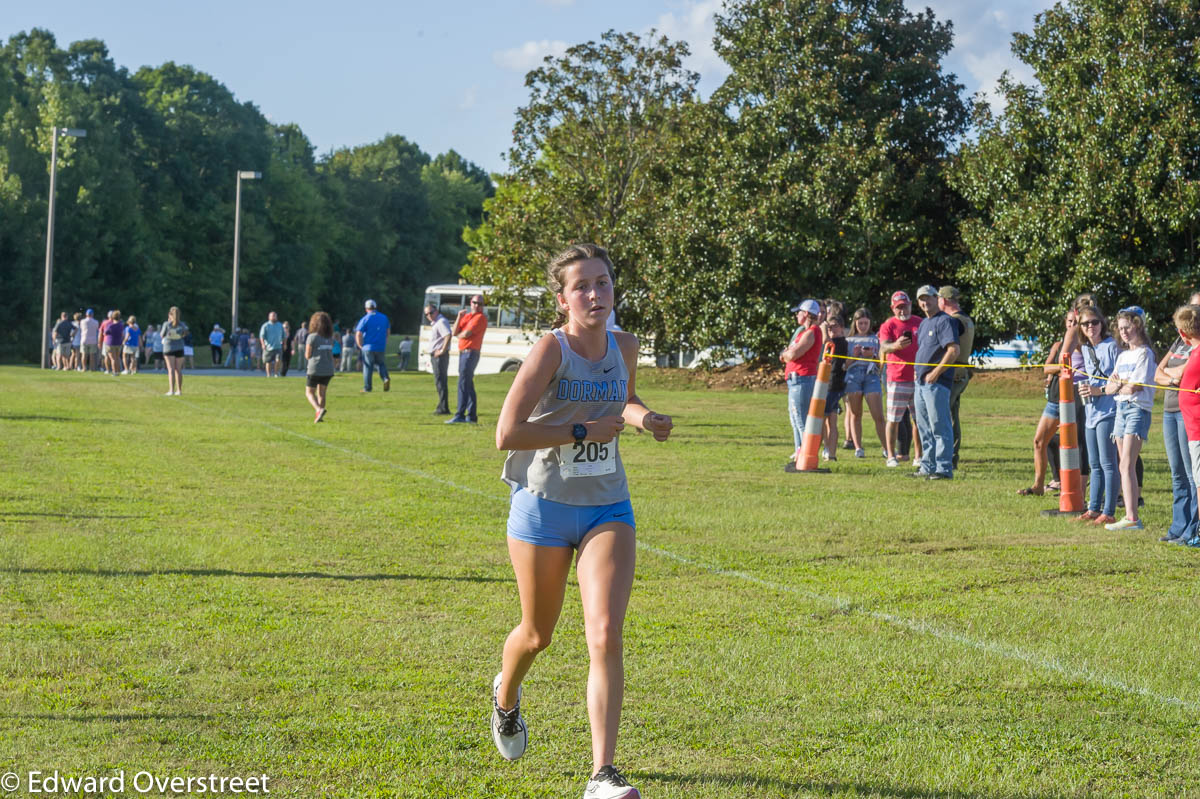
[817, 168]
[583, 162]
[146, 202]
[1089, 181]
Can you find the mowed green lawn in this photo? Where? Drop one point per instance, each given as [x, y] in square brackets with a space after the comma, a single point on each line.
[214, 584]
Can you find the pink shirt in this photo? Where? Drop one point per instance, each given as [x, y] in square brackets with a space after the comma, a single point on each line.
[890, 331]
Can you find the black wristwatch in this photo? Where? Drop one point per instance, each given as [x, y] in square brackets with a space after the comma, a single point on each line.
[579, 431]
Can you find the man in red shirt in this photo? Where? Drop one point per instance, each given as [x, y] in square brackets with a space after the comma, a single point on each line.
[469, 327]
[898, 343]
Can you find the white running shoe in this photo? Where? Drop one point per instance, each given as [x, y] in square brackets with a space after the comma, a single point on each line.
[508, 728]
[124, 371]
[916, 463]
[858, 453]
[892, 463]
[607, 783]
[169, 394]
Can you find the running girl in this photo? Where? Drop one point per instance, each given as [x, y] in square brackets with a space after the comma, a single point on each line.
[318, 352]
[560, 422]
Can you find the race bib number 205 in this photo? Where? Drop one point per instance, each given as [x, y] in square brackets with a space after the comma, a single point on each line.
[587, 459]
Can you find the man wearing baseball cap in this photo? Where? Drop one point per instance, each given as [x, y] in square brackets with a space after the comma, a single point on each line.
[898, 344]
[89, 339]
[937, 351]
[800, 366]
[948, 297]
[370, 334]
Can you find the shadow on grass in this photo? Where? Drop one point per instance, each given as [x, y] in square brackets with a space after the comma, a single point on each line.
[742, 782]
[17, 514]
[36, 417]
[267, 575]
[107, 716]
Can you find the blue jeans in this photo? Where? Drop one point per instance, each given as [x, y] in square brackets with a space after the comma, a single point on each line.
[800, 391]
[936, 428]
[370, 360]
[1183, 486]
[1102, 455]
[467, 361]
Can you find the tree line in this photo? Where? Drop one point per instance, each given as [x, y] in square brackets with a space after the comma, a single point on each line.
[839, 158]
[145, 203]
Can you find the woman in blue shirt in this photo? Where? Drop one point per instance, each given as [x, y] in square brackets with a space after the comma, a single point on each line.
[1100, 411]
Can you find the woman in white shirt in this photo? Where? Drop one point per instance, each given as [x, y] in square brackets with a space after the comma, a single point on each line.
[1135, 365]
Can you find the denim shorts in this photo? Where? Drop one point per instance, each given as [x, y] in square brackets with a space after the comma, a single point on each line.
[833, 402]
[862, 381]
[1051, 409]
[547, 523]
[1131, 421]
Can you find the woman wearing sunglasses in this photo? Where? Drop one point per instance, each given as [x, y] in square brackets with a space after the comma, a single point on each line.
[1099, 356]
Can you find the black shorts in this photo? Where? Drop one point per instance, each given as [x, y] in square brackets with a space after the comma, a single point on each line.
[318, 380]
[173, 354]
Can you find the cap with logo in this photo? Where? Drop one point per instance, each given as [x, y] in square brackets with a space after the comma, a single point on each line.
[899, 297]
[370, 304]
[926, 291]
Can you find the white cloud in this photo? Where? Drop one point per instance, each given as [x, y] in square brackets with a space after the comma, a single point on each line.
[529, 55]
[469, 99]
[695, 25]
[983, 40]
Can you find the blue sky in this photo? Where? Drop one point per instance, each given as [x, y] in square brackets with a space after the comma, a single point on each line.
[445, 74]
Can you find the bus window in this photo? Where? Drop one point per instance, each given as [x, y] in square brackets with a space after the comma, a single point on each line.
[451, 305]
[509, 318]
[491, 315]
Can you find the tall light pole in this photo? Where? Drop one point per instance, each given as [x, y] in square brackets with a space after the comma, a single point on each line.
[237, 240]
[79, 134]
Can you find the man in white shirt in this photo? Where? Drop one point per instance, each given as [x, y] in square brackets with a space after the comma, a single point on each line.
[439, 355]
[89, 332]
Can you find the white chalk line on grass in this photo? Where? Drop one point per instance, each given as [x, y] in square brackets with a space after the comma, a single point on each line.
[999, 649]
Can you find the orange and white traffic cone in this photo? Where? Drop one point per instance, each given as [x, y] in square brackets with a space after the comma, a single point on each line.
[1070, 495]
[814, 424]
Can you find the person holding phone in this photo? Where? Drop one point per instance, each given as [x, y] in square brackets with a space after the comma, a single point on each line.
[898, 343]
[862, 382]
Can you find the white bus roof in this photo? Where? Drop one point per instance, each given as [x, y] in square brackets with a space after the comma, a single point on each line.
[471, 288]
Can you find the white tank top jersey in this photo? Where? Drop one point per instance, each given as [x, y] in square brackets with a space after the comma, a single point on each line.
[584, 473]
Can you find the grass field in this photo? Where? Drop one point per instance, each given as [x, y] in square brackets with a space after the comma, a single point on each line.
[214, 584]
